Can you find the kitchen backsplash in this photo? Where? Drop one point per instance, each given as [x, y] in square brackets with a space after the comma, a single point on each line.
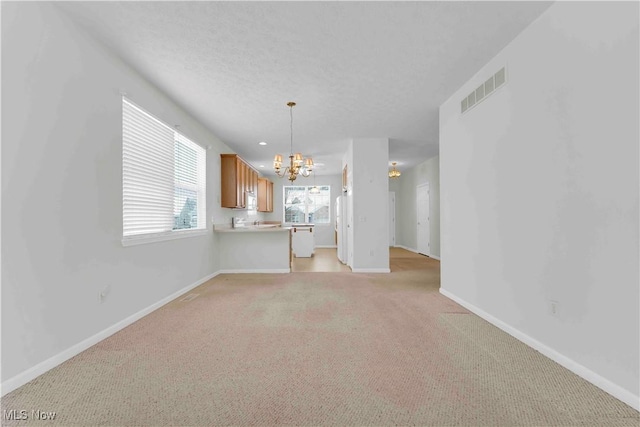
[248, 216]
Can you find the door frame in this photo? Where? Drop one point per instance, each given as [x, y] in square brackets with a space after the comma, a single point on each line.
[427, 244]
[392, 218]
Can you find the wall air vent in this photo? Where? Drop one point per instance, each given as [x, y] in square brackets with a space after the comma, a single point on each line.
[484, 90]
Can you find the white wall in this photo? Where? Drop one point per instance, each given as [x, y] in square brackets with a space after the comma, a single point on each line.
[347, 163]
[539, 191]
[406, 209]
[324, 234]
[369, 193]
[62, 191]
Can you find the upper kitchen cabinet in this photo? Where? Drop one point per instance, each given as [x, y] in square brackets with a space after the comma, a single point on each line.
[237, 179]
[265, 195]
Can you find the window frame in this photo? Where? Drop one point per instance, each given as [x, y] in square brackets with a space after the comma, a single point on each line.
[306, 205]
[151, 237]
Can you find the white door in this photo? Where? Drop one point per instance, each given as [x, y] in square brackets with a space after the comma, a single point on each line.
[349, 215]
[341, 227]
[422, 216]
[392, 218]
[345, 230]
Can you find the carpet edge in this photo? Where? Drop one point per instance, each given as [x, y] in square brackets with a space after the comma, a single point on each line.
[35, 371]
[599, 381]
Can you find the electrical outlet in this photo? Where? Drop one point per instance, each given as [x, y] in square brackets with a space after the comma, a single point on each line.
[103, 293]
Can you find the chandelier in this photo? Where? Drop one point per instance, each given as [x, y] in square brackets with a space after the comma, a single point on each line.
[298, 165]
[394, 173]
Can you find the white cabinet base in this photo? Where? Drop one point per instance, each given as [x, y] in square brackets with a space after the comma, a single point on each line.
[302, 242]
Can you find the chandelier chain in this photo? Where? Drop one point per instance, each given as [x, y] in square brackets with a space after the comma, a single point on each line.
[298, 165]
[291, 126]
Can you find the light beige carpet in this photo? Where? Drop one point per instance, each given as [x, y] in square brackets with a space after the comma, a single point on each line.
[316, 349]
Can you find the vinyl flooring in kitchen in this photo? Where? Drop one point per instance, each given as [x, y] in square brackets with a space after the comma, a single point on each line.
[323, 260]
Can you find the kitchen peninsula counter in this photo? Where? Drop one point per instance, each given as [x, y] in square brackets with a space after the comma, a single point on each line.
[264, 248]
[224, 228]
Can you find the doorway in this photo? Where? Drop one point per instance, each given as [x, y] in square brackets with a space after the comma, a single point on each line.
[422, 217]
[392, 218]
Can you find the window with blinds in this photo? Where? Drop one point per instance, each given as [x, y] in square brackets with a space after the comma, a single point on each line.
[163, 178]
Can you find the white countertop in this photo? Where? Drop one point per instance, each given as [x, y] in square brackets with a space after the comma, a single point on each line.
[264, 228]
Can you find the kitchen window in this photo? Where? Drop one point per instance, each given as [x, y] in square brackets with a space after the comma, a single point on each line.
[303, 205]
[163, 180]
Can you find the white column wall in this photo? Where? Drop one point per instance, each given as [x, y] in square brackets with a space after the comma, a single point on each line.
[370, 194]
[539, 192]
[348, 160]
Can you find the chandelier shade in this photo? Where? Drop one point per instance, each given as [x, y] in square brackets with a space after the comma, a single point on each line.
[394, 173]
[298, 165]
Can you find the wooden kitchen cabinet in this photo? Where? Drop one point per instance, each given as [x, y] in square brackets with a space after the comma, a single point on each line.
[237, 178]
[270, 196]
[265, 195]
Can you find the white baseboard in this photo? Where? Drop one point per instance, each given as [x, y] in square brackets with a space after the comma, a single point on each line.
[258, 270]
[416, 251]
[407, 248]
[42, 367]
[326, 247]
[371, 270]
[578, 369]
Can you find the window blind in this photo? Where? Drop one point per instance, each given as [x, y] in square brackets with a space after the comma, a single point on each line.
[163, 176]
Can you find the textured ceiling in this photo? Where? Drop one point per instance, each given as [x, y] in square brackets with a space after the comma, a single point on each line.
[356, 69]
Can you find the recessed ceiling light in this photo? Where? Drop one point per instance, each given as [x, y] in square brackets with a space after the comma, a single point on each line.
[261, 166]
[262, 143]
